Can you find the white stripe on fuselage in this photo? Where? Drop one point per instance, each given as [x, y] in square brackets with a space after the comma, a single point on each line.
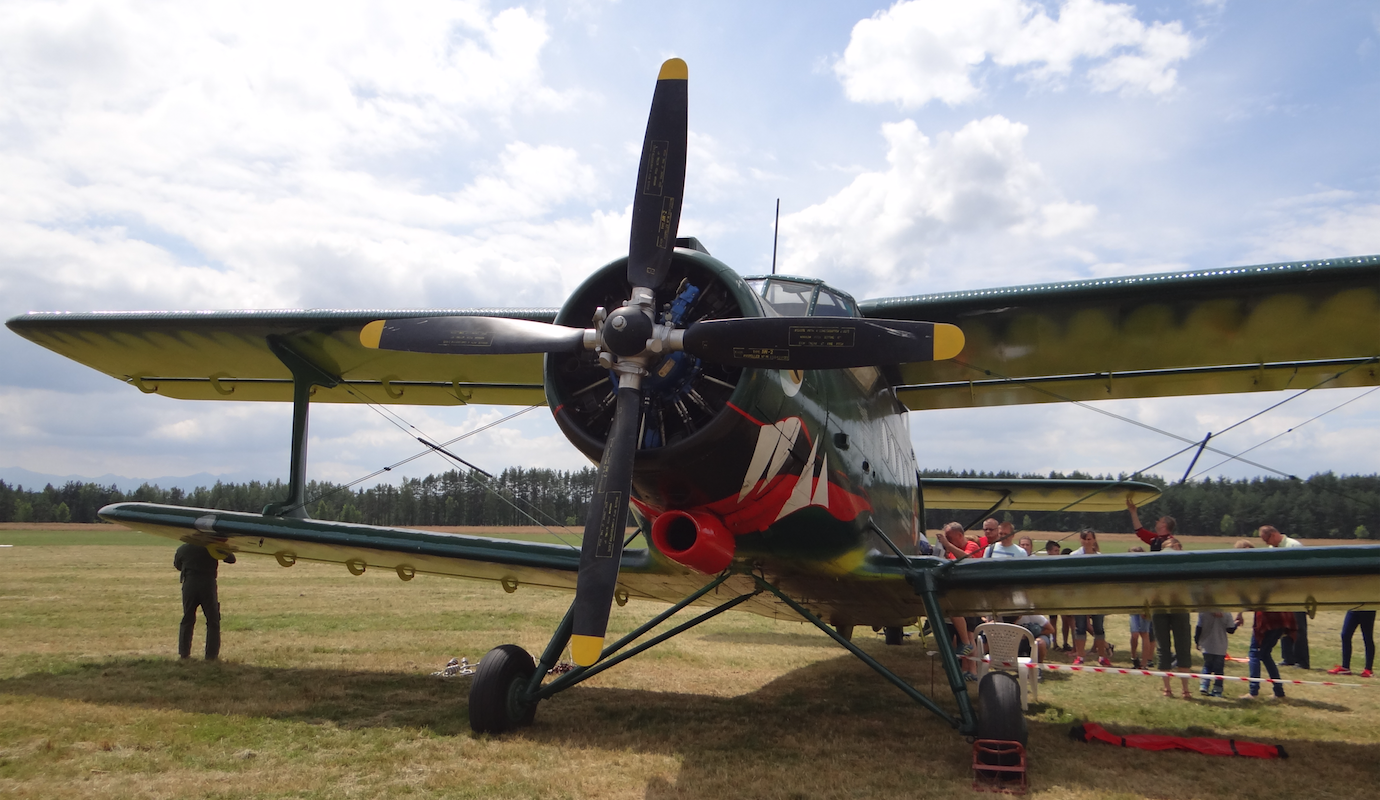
[774, 443]
[800, 495]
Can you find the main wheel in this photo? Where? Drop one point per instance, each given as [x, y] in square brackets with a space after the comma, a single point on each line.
[895, 635]
[999, 713]
[496, 695]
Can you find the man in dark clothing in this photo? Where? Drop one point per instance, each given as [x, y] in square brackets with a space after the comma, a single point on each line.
[198, 569]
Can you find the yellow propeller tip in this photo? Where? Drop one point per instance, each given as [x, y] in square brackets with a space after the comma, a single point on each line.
[585, 650]
[370, 334]
[948, 341]
[673, 69]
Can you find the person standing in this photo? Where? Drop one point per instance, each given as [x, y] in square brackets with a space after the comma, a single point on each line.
[1172, 631]
[1164, 527]
[1211, 636]
[1269, 628]
[1141, 631]
[1293, 652]
[1002, 546]
[1365, 620]
[199, 568]
[1089, 547]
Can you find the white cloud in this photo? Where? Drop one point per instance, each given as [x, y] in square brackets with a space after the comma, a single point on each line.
[270, 155]
[1324, 224]
[923, 50]
[978, 181]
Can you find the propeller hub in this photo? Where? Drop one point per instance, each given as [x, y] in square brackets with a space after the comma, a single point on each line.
[627, 330]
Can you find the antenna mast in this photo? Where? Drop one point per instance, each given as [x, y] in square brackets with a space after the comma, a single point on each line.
[776, 229]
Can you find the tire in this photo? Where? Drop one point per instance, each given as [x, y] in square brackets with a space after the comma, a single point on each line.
[1000, 716]
[895, 635]
[496, 702]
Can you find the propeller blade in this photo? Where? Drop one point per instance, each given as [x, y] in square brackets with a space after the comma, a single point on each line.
[820, 342]
[471, 336]
[605, 525]
[660, 179]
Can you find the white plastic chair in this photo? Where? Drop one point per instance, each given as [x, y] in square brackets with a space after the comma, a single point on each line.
[1001, 650]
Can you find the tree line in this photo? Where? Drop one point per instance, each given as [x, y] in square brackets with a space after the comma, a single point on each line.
[516, 496]
[1323, 506]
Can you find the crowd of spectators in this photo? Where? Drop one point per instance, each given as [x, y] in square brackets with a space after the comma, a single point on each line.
[1170, 636]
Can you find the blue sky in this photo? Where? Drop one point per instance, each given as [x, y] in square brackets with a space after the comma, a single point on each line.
[477, 154]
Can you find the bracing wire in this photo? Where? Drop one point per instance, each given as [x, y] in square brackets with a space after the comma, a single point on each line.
[1170, 434]
[419, 435]
[1191, 443]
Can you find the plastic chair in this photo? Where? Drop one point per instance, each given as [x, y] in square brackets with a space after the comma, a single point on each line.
[1003, 643]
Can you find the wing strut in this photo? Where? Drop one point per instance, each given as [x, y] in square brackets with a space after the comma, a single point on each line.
[305, 376]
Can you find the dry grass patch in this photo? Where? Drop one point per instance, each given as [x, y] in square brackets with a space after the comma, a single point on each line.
[324, 692]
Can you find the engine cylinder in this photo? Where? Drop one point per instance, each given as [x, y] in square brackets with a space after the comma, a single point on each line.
[698, 540]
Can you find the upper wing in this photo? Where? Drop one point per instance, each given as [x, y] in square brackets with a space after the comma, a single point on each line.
[1034, 494]
[1270, 327]
[230, 355]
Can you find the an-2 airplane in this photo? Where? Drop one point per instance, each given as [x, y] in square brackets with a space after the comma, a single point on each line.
[758, 427]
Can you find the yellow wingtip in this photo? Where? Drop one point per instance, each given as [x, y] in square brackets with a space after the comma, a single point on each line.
[673, 69]
[370, 334]
[585, 650]
[948, 341]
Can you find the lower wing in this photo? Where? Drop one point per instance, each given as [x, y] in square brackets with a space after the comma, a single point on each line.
[881, 590]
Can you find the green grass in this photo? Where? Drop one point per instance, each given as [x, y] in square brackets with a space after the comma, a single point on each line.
[324, 692]
[105, 535]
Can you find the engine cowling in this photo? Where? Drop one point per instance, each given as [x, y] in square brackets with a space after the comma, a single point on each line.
[684, 396]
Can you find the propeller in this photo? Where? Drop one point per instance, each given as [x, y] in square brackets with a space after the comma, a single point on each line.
[753, 342]
[471, 336]
[628, 339]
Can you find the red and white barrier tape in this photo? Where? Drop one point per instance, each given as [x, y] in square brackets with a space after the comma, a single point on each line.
[1157, 674]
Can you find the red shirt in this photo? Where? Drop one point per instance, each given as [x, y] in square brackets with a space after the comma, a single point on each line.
[1148, 537]
[970, 548]
[1274, 620]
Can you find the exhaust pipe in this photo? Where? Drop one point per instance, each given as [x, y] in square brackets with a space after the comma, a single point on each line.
[696, 539]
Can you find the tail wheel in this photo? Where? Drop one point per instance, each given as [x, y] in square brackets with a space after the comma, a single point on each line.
[1000, 715]
[497, 702]
[895, 634]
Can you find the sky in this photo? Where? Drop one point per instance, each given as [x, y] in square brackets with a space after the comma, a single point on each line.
[470, 153]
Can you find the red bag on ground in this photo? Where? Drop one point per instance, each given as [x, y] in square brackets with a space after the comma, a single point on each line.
[1091, 731]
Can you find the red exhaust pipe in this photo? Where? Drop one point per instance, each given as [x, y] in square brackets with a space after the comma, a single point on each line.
[696, 539]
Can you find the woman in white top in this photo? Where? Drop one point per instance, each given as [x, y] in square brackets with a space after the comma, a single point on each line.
[1080, 623]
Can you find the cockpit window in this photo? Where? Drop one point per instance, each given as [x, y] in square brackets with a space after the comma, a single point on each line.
[790, 299]
[756, 284]
[829, 304]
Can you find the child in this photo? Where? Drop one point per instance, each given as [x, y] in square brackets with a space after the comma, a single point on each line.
[1211, 638]
[1142, 631]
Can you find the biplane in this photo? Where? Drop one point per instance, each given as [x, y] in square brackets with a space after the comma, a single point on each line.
[757, 431]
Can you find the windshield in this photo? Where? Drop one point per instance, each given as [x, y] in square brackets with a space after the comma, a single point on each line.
[829, 304]
[790, 299]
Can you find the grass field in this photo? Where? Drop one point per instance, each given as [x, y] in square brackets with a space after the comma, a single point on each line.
[324, 691]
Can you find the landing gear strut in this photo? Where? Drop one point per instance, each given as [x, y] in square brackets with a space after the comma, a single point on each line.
[508, 685]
